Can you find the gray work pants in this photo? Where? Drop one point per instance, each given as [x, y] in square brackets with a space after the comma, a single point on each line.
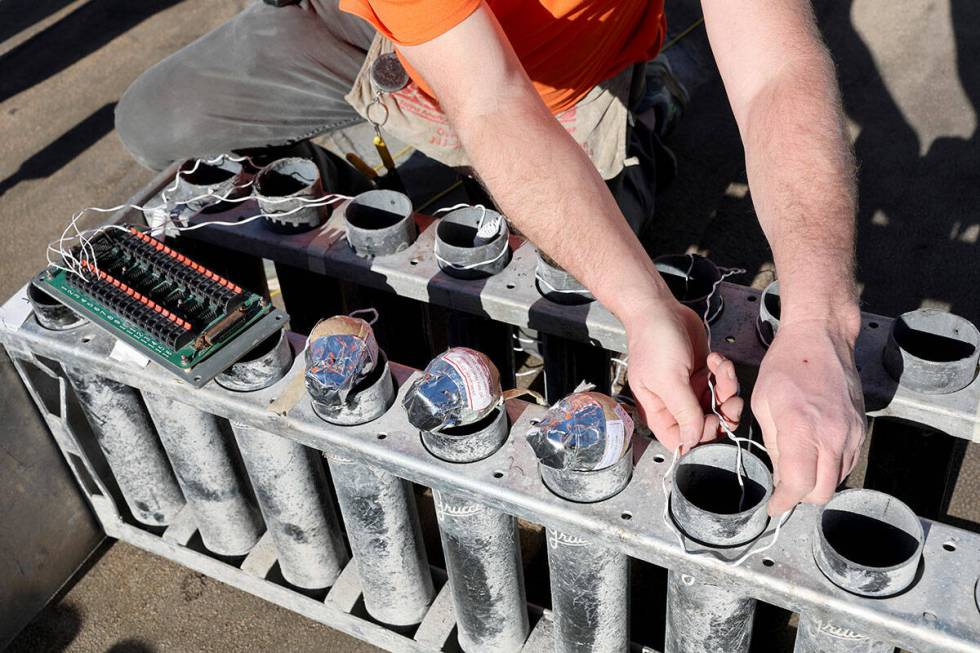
[270, 76]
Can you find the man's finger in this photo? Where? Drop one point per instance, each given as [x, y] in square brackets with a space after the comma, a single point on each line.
[731, 410]
[797, 474]
[687, 412]
[828, 475]
[658, 418]
[726, 382]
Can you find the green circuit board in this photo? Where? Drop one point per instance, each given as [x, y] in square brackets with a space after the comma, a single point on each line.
[151, 296]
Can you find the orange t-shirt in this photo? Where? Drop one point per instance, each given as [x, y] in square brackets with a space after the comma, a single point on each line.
[566, 46]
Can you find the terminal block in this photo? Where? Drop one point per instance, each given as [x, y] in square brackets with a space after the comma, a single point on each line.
[179, 313]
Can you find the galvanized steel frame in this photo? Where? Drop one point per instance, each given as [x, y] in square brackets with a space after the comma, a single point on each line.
[938, 614]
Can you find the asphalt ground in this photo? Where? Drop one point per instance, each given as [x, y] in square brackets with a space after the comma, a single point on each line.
[911, 92]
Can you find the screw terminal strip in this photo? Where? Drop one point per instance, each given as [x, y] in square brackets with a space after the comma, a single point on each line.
[171, 308]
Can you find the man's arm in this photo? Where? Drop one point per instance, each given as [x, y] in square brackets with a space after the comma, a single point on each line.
[544, 182]
[783, 91]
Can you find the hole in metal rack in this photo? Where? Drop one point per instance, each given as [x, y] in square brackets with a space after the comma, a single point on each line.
[730, 339]
[768, 562]
[414, 261]
[498, 474]
[511, 286]
[872, 325]
[534, 422]
[949, 546]
[197, 378]
[658, 458]
[752, 298]
[626, 516]
[382, 436]
[87, 339]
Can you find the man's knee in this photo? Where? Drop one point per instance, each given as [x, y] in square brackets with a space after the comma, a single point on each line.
[150, 122]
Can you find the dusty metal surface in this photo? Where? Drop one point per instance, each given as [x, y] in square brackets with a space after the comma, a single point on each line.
[379, 223]
[588, 486]
[204, 461]
[386, 539]
[507, 481]
[483, 561]
[292, 491]
[130, 445]
[706, 617]
[481, 546]
[707, 501]
[932, 351]
[467, 444]
[589, 594]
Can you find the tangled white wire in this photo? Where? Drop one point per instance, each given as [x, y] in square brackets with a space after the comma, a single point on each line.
[72, 264]
[729, 432]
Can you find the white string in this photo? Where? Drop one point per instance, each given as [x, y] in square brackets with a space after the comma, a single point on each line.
[361, 311]
[70, 263]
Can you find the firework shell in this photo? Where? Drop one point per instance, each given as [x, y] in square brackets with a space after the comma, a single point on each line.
[458, 387]
[341, 351]
[584, 431]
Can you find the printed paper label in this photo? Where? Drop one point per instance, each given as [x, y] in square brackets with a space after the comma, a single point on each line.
[475, 376]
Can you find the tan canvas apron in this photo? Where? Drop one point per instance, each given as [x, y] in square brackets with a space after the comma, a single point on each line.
[597, 122]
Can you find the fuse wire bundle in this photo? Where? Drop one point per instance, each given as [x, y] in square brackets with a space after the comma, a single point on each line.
[74, 247]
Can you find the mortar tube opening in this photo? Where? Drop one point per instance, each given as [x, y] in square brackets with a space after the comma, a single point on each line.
[689, 281]
[262, 349]
[286, 177]
[209, 174]
[772, 303]
[38, 296]
[456, 234]
[717, 490]
[474, 427]
[935, 347]
[378, 210]
[871, 529]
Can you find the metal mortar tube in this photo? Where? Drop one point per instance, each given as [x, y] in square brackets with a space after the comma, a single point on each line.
[131, 447]
[203, 458]
[289, 481]
[121, 426]
[386, 539]
[481, 545]
[379, 513]
[708, 505]
[870, 544]
[589, 583]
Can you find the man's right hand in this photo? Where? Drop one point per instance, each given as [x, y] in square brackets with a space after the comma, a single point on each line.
[669, 365]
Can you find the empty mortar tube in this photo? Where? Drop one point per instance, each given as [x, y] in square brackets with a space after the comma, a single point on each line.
[589, 582]
[770, 308]
[557, 285]
[380, 223]
[691, 279]
[380, 515]
[204, 459]
[870, 544]
[932, 352]
[285, 188]
[481, 545]
[464, 246]
[289, 481]
[121, 426]
[214, 179]
[708, 505]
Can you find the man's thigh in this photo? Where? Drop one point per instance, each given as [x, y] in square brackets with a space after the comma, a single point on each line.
[269, 76]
